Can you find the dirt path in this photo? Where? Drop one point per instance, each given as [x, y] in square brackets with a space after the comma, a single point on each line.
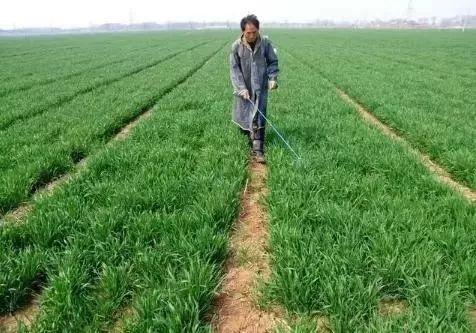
[472, 317]
[236, 305]
[442, 175]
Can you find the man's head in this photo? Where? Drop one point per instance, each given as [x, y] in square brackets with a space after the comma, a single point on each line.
[250, 28]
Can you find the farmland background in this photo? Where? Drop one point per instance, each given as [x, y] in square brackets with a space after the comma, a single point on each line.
[136, 234]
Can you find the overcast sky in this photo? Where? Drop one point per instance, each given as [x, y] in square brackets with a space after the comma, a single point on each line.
[80, 13]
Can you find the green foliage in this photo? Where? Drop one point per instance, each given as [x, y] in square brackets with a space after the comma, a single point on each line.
[146, 224]
[421, 83]
[35, 150]
[140, 236]
[360, 220]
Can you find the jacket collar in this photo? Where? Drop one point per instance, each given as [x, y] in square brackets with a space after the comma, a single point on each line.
[245, 43]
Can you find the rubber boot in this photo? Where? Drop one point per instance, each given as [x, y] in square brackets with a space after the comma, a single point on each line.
[258, 145]
[258, 151]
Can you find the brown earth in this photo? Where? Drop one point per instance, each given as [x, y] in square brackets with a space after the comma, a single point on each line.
[392, 307]
[236, 305]
[9, 323]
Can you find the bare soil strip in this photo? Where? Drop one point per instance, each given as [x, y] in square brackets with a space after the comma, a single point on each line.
[442, 175]
[9, 323]
[472, 317]
[392, 307]
[236, 304]
[119, 325]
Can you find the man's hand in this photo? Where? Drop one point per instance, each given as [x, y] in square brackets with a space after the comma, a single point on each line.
[272, 84]
[244, 94]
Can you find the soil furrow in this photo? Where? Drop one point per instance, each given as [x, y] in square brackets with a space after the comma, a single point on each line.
[236, 304]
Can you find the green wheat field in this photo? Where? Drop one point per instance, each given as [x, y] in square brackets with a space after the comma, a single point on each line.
[145, 224]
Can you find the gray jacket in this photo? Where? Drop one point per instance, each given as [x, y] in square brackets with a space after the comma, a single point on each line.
[251, 70]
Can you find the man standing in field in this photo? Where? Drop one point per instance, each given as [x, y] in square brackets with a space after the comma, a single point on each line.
[253, 71]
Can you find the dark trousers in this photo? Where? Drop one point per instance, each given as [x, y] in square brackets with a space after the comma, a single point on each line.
[255, 137]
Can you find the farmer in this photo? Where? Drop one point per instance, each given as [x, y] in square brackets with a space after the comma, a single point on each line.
[253, 71]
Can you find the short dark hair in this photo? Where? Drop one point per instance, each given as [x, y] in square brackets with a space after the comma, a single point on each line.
[249, 19]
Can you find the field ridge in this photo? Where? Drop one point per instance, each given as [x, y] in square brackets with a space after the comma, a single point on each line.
[236, 308]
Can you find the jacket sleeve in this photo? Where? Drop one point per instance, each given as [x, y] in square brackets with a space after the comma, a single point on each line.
[236, 74]
[272, 62]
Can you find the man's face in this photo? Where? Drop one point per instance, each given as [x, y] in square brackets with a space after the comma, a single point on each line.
[250, 33]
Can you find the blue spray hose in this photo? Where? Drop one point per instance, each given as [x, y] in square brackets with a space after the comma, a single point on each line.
[276, 130]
